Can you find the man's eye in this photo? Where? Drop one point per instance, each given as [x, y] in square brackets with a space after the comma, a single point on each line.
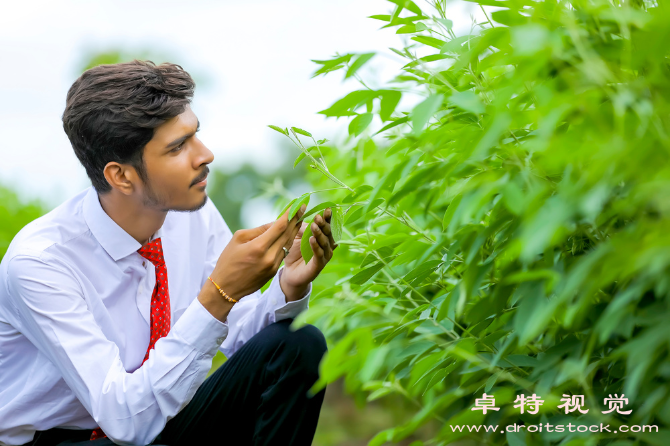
[178, 148]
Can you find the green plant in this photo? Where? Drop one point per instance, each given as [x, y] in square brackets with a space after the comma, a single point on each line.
[510, 236]
[14, 215]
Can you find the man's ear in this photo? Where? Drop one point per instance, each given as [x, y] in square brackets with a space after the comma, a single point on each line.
[121, 177]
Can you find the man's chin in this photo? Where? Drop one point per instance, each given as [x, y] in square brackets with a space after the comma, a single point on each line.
[193, 208]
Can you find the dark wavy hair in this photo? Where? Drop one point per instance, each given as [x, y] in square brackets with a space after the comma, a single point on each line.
[112, 110]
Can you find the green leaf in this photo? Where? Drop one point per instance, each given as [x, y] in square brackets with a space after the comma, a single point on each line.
[373, 363]
[387, 183]
[424, 111]
[425, 268]
[337, 223]
[447, 23]
[513, 198]
[303, 199]
[280, 130]
[384, 17]
[407, 29]
[301, 131]
[312, 150]
[357, 194]
[286, 207]
[529, 39]
[522, 360]
[358, 63]
[444, 306]
[388, 103]
[365, 275]
[353, 216]
[516, 438]
[360, 123]
[348, 104]
[393, 124]
[509, 17]
[317, 208]
[408, 5]
[305, 247]
[331, 65]
[299, 158]
[430, 58]
[430, 41]
[468, 101]
[492, 381]
[499, 125]
[451, 210]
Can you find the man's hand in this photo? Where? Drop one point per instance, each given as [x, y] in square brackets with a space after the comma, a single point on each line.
[297, 275]
[248, 261]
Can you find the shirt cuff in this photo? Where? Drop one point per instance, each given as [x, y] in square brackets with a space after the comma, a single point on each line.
[200, 329]
[281, 309]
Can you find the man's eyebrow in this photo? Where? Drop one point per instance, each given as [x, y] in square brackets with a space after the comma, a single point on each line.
[181, 139]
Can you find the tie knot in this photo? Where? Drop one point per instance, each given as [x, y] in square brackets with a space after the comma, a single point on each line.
[153, 252]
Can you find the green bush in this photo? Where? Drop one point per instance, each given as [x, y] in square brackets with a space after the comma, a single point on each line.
[14, 215]
[510, 234]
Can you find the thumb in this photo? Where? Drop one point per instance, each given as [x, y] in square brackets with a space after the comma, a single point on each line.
[301, 231]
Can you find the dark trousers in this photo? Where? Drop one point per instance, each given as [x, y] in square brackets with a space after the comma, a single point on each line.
[259, 396]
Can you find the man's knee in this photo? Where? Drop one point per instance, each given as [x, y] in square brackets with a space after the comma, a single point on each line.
[310, 341]
[307, 344]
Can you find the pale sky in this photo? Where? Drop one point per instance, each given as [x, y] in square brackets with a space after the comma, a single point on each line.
[253, 58]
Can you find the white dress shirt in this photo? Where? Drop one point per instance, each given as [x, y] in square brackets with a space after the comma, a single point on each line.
[75, 302]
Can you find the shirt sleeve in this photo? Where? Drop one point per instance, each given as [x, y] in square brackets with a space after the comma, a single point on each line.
[131, 408]
[255, 311]
[258, 310]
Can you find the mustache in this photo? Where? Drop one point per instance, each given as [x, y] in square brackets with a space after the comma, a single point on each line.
[201, 177]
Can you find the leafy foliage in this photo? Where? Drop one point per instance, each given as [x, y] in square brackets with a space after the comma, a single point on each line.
[511, 235]
[14, 215]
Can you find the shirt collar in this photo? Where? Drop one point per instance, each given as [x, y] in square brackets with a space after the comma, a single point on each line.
[157, 234]
[117, 242]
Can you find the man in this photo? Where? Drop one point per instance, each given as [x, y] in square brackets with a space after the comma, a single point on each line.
[112, 306]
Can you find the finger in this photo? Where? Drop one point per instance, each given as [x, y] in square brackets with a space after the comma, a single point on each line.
[323, 241]
[280, 228]
[294, 255]
[246, 235]
[301, 231]
[291, 239]
[326, 229]
[319, 255]
[276, 230]
[328, 214]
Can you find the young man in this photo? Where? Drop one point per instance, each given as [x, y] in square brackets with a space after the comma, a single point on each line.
[112, 306]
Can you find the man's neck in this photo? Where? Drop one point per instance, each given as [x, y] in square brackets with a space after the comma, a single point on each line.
[132, 216]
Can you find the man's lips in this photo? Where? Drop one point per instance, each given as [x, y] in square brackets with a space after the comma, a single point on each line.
[201, 180]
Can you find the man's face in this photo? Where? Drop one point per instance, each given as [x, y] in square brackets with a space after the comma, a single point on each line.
[176, 161]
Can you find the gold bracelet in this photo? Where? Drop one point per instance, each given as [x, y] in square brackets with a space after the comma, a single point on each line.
[223, 293]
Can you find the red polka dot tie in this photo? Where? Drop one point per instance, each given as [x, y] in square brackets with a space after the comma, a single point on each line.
[160, 302]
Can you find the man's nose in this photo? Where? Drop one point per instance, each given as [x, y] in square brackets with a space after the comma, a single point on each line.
[203, 155]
